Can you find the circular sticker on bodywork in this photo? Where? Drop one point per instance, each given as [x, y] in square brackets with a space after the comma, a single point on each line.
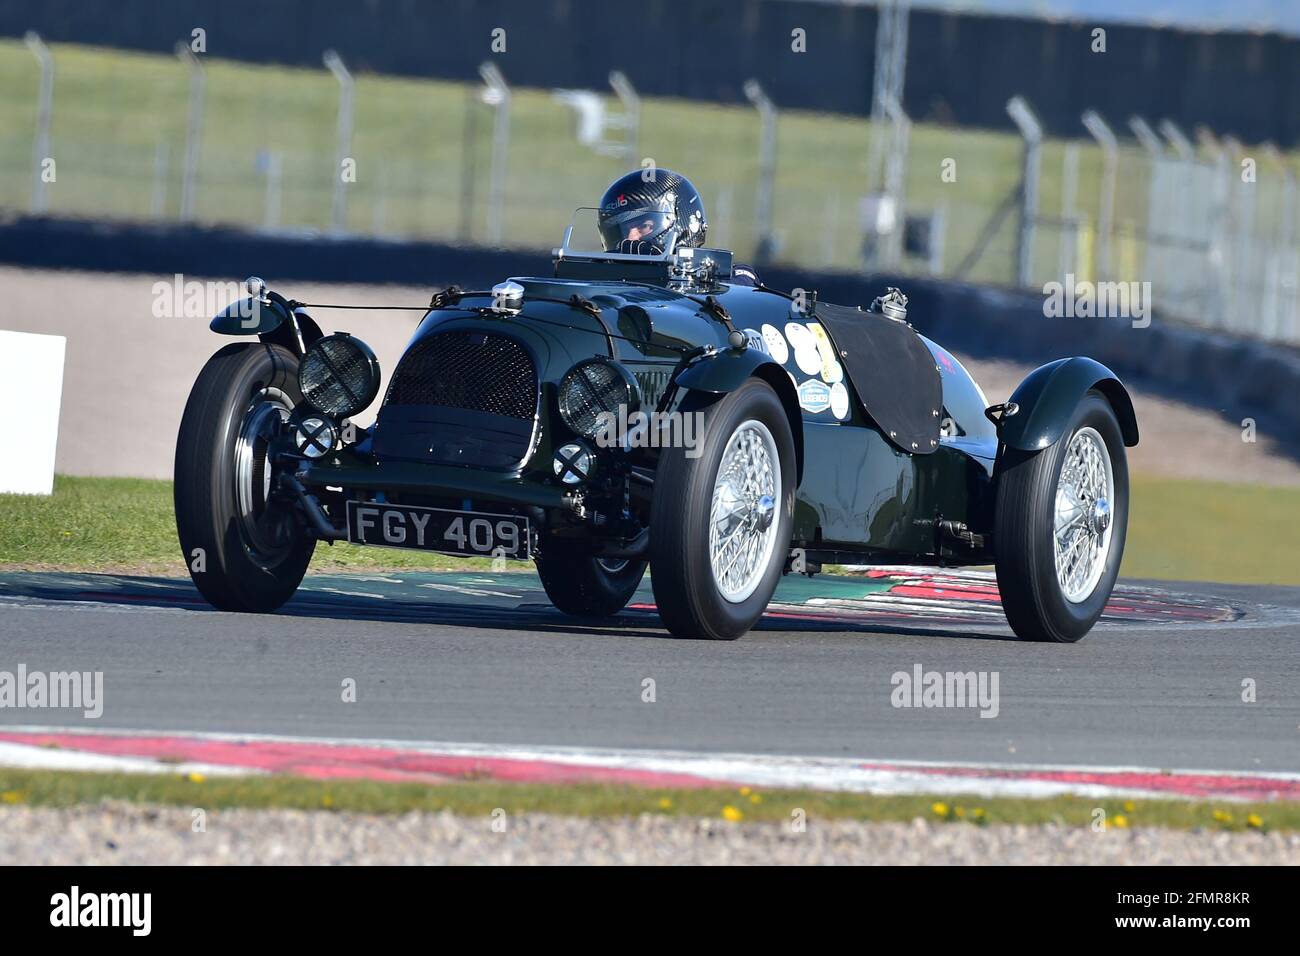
[804, 343]
[756, 341]
[776, 346]
[839, 401]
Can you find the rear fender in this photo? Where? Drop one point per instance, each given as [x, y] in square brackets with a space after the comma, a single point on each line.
[1048, 396]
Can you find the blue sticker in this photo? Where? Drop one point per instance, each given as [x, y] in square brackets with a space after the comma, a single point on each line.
[814, 396]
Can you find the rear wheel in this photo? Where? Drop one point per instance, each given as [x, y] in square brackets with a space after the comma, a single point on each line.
[242, 542]
[580, 584]
[721, 521]
[1062, 515]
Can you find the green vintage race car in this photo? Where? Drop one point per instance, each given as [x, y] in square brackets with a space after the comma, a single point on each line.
[643, 409]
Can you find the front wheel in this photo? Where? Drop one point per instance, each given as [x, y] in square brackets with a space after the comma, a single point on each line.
[1062, 516]
[581, 584]
[722, 516]
[242, 542]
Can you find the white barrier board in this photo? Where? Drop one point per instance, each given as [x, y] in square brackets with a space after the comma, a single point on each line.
[31, 388]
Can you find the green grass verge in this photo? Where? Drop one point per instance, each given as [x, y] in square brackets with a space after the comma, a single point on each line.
[107, 524]
[1212, 531]
[50, 788]
[126, 523]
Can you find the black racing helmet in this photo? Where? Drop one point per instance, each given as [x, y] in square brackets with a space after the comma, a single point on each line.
[650, 211]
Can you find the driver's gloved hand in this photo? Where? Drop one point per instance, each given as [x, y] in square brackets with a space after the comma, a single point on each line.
[638, 247]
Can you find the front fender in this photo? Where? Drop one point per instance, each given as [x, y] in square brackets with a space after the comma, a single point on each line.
[1049, 395]
[250, 316]
[726, 371]
[271, 319]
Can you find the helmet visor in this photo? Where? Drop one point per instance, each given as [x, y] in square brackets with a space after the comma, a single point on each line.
[641, 231]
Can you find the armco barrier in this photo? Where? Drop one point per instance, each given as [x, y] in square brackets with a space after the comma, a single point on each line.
[1236, 377]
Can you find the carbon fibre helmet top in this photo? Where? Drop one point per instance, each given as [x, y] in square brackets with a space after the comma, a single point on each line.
[651, 211]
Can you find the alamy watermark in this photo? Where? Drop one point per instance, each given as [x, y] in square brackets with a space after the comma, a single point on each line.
[180, 299]
[132, 911]
[1082, 299]
[56, 690]
[955, 689]
[639, 429]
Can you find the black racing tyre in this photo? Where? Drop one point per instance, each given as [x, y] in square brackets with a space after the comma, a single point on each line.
[244, 546]
[1059, 530]
[721, 521]
[580, 584]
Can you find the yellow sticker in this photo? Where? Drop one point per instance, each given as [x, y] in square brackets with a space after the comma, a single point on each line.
[831, 370]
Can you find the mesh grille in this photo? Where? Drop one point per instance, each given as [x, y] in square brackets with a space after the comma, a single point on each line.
[476, 371]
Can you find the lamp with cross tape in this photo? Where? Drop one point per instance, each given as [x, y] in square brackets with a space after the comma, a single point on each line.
[574, 463]
[315, 436]
[339, 375]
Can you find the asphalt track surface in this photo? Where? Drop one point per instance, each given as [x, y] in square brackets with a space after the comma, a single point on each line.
[482, 657]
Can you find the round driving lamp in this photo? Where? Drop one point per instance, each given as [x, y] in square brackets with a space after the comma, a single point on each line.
[594, 388]
[339, 376]
[315, 436]
[574, 463]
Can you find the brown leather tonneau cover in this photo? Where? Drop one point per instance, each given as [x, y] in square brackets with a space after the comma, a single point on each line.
[892, 372]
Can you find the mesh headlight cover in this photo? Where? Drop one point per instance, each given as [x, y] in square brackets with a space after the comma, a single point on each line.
[594, 387]
[339, 375]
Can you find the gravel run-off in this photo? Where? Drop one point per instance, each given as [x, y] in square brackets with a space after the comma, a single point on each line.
[121, 833]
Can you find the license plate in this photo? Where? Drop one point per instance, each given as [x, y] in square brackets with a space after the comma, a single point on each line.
[438, 529]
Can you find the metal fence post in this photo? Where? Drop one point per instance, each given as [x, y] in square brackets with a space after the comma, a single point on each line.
[1157, 197]
[1068, 246]
[1186, 216]
[1219, 230]
[497, 95]
[347, 89]
[193, 130]
[1177, 140]
[1031, 131]
[895, 176]
[1145, 135]
[44, 111]
[880, 251]
[631, 101]
[891, 55]
[766, 170]
[1105, 138]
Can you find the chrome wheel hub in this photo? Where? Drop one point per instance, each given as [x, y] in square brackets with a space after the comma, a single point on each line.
[265, 531]
[742, 529]
[1082, 523]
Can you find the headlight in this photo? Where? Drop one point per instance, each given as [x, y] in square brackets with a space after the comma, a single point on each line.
[339, 375]
[315, 436]
[574, 463]
[594, 387]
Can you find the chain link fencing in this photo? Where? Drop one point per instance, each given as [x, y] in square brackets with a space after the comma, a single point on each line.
[1210, 225]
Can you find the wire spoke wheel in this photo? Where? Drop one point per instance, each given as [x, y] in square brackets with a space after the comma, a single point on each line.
[741, 530]
[1085, 493]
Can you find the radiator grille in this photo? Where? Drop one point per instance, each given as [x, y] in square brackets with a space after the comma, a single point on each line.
[475, 371]
[460, 397]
